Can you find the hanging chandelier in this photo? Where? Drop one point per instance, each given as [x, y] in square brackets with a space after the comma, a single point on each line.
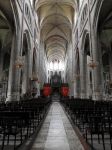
[110, 83]
[19, 62]
[34, 77]
[92, 64]
[77, 76]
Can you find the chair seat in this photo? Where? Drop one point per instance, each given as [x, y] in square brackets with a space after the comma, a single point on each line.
[12, 131]
[94, 131]
[1, 130]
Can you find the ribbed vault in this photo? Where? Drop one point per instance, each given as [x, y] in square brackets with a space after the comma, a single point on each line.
[56, 19]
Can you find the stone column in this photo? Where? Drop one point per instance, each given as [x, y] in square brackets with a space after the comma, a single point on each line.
[70, 69]
[30, 61]
[41, 61]
[110, 64]
[89, 86]
[76, 78]
[25, 74]
[83, 72]
[110, 71]
[96, 71]
[14, 73]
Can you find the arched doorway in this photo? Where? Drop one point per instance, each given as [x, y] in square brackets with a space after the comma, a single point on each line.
[6, 36]
[104, 30]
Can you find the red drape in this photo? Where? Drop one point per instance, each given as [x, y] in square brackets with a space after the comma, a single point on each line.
[47, 91]
[65, 91]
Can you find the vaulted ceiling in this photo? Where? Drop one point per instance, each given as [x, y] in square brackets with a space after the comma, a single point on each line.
[56, 19]
[6, 23]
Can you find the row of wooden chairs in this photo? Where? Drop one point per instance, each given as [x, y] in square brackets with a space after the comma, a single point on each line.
[92, 117]
[19, 120]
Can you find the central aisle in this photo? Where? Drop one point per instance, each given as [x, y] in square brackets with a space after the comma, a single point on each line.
[57, 132]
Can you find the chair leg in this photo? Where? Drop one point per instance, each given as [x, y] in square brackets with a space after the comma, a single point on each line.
[28, 130]
[98, 138]
[8, 139]
[111, 141]
[3, 141]
[86, 136]
[103, 141]
[15, 142]
[21, 137]
[91, 139]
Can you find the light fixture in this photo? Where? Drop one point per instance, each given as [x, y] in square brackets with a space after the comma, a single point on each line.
[110, 82]
[92, 64]
[19, 62]
[72, 80]
[77, 76]
[34, 77]
[5, 75]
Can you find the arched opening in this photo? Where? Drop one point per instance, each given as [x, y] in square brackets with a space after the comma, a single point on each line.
[6, 36]
[55, 34]
[104, 30]
[6, 64]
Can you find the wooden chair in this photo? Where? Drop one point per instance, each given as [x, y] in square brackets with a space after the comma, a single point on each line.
[96, 127]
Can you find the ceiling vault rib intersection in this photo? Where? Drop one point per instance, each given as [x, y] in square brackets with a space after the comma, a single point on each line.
[56, 19]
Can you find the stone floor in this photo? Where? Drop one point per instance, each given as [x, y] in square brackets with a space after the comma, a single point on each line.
[57, 132]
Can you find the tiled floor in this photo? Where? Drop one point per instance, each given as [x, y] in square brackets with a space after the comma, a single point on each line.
[57, 132]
